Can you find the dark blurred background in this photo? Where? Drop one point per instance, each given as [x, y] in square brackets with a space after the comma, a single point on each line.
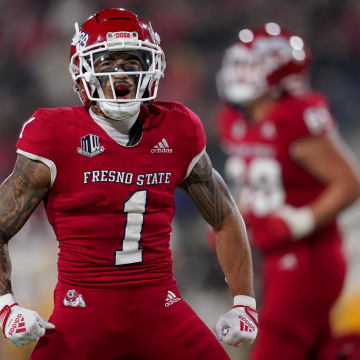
[35, 40]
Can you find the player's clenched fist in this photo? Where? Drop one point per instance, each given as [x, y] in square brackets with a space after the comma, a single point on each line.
[20, 326]
[239, 325]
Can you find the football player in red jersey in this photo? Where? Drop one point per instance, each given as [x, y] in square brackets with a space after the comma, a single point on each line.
[106, 172]
[292, 176]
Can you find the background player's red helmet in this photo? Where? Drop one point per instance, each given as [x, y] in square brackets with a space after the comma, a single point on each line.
[261, 58]
[115, 30]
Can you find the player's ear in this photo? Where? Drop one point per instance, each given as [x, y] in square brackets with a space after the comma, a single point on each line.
[79, 88]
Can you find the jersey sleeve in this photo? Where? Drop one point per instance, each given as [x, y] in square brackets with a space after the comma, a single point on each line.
[311, 118]
[36, 140]
[196, 140]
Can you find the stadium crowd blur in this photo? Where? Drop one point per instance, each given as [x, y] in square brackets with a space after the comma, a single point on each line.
[35, 40]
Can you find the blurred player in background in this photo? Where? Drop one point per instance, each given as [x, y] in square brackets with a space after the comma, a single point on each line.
[107, 172]
[292, 176]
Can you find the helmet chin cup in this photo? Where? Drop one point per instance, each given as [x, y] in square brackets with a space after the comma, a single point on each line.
[119, 111]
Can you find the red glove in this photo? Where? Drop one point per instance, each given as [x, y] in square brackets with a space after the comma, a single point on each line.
[269, 232]
[279, 228]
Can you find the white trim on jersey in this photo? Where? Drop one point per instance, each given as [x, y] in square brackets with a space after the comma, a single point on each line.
[193, 162]
[49, 163]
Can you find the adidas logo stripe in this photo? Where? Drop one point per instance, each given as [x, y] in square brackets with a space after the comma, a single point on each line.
[170, 295]
[171, 298]
[245, 325]
[21, 327]
[18, 326]
[162, 147]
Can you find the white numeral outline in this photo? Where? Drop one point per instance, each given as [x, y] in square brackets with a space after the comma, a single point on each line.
[134, 208]
[260, 181]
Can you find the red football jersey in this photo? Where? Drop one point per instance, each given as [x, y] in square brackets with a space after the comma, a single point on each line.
[260, 155]
[111, 206]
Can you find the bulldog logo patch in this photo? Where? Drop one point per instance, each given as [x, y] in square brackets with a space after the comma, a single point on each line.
[74, 299]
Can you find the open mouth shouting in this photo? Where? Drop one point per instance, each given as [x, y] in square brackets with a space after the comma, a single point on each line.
[122, 91]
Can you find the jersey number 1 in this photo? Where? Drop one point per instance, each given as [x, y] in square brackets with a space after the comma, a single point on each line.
[131, 252]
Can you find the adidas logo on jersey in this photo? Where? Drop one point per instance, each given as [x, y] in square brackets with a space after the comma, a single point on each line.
[162, 147]
[18, 326]
[171, 298]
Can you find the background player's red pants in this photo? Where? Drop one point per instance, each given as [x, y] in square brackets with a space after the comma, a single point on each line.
[299, 292]
[127, 324]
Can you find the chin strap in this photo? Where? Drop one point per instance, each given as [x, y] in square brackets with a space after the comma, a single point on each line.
[118, 111]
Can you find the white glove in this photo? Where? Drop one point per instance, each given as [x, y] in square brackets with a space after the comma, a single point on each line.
[20, 326]
[300, 221]
[239, 325]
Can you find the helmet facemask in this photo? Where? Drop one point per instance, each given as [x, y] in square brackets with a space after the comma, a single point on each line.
[242, 77]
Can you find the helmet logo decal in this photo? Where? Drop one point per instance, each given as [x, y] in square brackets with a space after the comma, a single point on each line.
[154, 35]
[83, 39]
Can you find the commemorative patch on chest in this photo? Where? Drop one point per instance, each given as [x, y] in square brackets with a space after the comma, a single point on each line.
[90, 146]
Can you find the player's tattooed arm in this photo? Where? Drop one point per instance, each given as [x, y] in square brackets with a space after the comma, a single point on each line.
[210, 194]
[20, 194]
[207, 189]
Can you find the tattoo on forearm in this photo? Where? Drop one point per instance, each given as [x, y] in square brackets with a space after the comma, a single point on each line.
[5, 270]
[208, 191]
[20, 193]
